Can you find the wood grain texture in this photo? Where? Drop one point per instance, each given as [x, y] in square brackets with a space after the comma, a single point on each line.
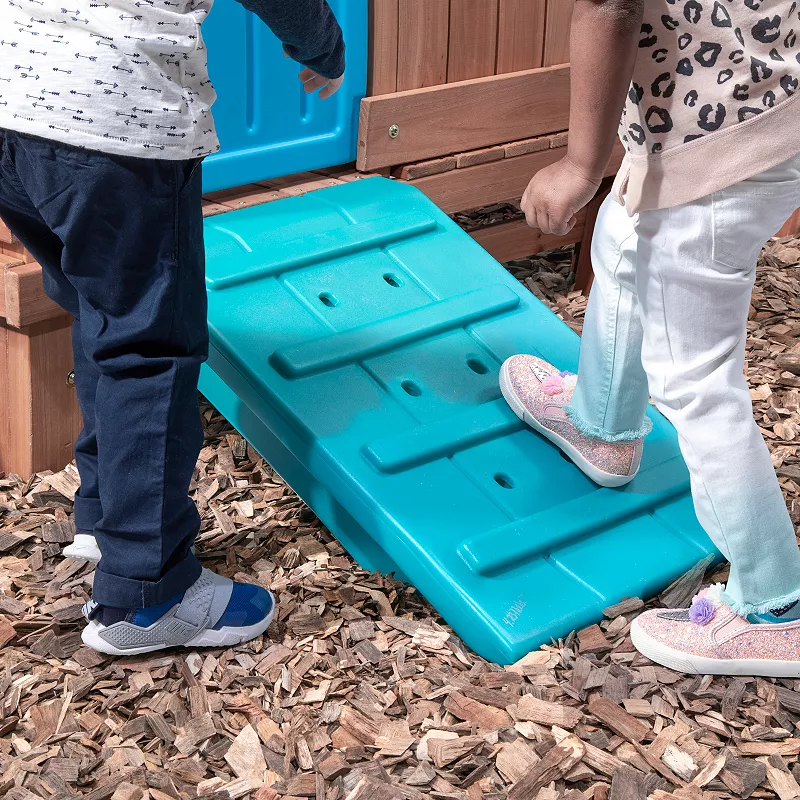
[5, 234]
[383, 39]
[482, 156]
[453, 118]
[422, 43]
[472, 187]
[511, 240]
[556, 34]
[6, 262]
[5, 388]
[42, 408]
[472, 47]
[520, 35]
[421, 170]
[26, 302]
[468, 188]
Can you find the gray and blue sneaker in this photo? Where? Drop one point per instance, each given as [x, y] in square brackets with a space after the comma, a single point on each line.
[213, 612]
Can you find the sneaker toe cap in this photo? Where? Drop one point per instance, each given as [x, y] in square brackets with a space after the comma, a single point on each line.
[249, 605]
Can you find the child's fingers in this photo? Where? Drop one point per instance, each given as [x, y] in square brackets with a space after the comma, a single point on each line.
[306, 75]
[327, 91]
[317, 82]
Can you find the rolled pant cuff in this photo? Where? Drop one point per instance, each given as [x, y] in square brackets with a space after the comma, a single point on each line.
[88, 512]
[596, 432]
[743, 609]
[114, 590]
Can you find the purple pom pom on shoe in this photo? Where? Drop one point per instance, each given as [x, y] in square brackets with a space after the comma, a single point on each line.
[702, 611]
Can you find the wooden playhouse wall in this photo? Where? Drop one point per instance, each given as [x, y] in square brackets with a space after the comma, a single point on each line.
[478, 94]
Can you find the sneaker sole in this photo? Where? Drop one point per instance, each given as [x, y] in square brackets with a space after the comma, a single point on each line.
[701, 665]
[605, 479]
[83, 548]
[224, 637]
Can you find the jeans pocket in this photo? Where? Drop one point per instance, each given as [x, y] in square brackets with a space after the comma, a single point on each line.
[747, 214]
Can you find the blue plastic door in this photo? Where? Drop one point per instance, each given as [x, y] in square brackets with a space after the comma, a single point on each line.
[267, 125]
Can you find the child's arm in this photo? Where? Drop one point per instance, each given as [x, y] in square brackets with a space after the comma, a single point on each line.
[310, 35]
[603, 47]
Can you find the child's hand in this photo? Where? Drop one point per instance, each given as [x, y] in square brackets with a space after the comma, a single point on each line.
[555, 195]
[313, 81]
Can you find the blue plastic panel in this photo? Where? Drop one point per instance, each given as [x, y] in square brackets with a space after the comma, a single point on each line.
[267, 125]
[357, 335]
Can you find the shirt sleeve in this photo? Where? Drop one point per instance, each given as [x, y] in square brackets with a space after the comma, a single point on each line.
[308, 30]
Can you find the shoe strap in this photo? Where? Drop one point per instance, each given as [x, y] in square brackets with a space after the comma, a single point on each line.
[205, 600]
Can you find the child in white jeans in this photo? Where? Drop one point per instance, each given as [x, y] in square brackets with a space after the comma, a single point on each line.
[712, 171]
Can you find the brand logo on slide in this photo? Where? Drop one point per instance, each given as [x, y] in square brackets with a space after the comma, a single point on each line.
[515, 612]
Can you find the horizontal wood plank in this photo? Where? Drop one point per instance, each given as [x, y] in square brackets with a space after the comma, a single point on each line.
[512, 240]
[26, 302]
[472, 187]
[453, 118]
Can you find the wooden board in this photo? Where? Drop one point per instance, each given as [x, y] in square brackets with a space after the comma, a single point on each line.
[557, 28]
[472, 47]
[5, 234]
[5, 411]
[422, 43]
[453, 118]
[463, 189]
[25, 300]
[6, 262]
[472, 187]
[383, 36]
[511, 240]
[792, 226]
[42, 408]
[520, 35]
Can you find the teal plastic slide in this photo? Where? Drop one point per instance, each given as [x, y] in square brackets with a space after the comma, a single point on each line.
[357, 335]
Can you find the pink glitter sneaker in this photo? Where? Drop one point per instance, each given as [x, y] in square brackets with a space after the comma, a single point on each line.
[711, 639]
[538, 394]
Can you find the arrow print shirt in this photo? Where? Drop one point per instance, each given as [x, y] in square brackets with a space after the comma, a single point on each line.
[130, 76]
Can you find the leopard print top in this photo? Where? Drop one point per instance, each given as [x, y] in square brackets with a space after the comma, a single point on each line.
[706, 66]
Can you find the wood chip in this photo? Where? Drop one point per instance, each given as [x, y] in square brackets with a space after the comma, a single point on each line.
[616, 718]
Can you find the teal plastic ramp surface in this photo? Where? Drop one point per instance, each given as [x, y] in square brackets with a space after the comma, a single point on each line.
[357, 335]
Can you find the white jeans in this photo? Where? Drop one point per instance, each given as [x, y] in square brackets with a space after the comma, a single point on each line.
[667, 319]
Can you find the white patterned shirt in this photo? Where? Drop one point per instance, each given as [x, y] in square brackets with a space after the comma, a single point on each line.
[121, 76]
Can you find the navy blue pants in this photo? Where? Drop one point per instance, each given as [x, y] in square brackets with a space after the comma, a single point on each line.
[120, 242]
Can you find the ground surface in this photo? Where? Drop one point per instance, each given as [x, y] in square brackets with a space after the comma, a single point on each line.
[360, 691]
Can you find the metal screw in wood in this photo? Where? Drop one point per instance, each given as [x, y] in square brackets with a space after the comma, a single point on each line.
[394, 131]
[71, 378]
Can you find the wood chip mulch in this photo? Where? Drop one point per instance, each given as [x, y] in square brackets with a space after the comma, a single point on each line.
[360, 692]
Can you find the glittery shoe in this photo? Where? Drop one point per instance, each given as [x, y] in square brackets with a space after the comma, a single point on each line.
[538, 394]
[711, 639]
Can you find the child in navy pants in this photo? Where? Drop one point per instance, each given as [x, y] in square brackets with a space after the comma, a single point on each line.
[102, 133]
